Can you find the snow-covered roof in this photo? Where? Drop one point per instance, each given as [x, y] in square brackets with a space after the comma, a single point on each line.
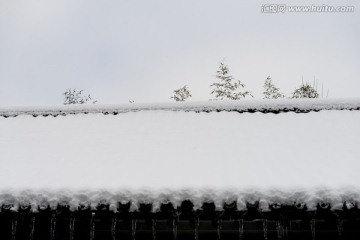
[213, 151]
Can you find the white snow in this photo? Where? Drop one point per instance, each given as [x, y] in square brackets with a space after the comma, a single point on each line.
[160, 154]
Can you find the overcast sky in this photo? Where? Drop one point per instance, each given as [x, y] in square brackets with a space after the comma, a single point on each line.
[141, 50]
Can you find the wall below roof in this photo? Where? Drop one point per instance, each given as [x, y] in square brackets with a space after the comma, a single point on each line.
[281, 222]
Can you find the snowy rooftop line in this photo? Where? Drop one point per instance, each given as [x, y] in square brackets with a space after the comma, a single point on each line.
[265, 198]
[264, 106]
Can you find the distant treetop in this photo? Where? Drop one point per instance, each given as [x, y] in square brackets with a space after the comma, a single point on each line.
[181, 94]
[72, 96]
[228, 87]
[305, 91]
[271, 91]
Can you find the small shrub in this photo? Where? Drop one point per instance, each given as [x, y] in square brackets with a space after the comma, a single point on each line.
[71, 96]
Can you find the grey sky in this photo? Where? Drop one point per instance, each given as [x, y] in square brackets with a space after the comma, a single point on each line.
[143, 50]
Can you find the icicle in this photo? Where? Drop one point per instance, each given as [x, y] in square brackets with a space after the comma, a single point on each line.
[153, 229]
[133, 229]
[32, 228]
[265, 229]
[72, 228]
[312, 227]
[174, 228]
[92, 226]
[52, 227]
[241, 229]
[218, 229]
[280, 230]
[13, 228]
[196, 230]
[290, 225]
[113, 229]
[340, 227]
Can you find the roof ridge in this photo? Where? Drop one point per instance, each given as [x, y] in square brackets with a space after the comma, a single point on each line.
[250, 106]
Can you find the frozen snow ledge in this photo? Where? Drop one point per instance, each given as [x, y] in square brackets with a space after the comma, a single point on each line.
[334, 199]
[263, 106]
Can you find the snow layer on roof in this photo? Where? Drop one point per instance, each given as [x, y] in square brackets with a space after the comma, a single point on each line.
[155, 156]
[272, 105]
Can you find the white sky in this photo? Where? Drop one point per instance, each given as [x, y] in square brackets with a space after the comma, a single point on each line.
[142, 50]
